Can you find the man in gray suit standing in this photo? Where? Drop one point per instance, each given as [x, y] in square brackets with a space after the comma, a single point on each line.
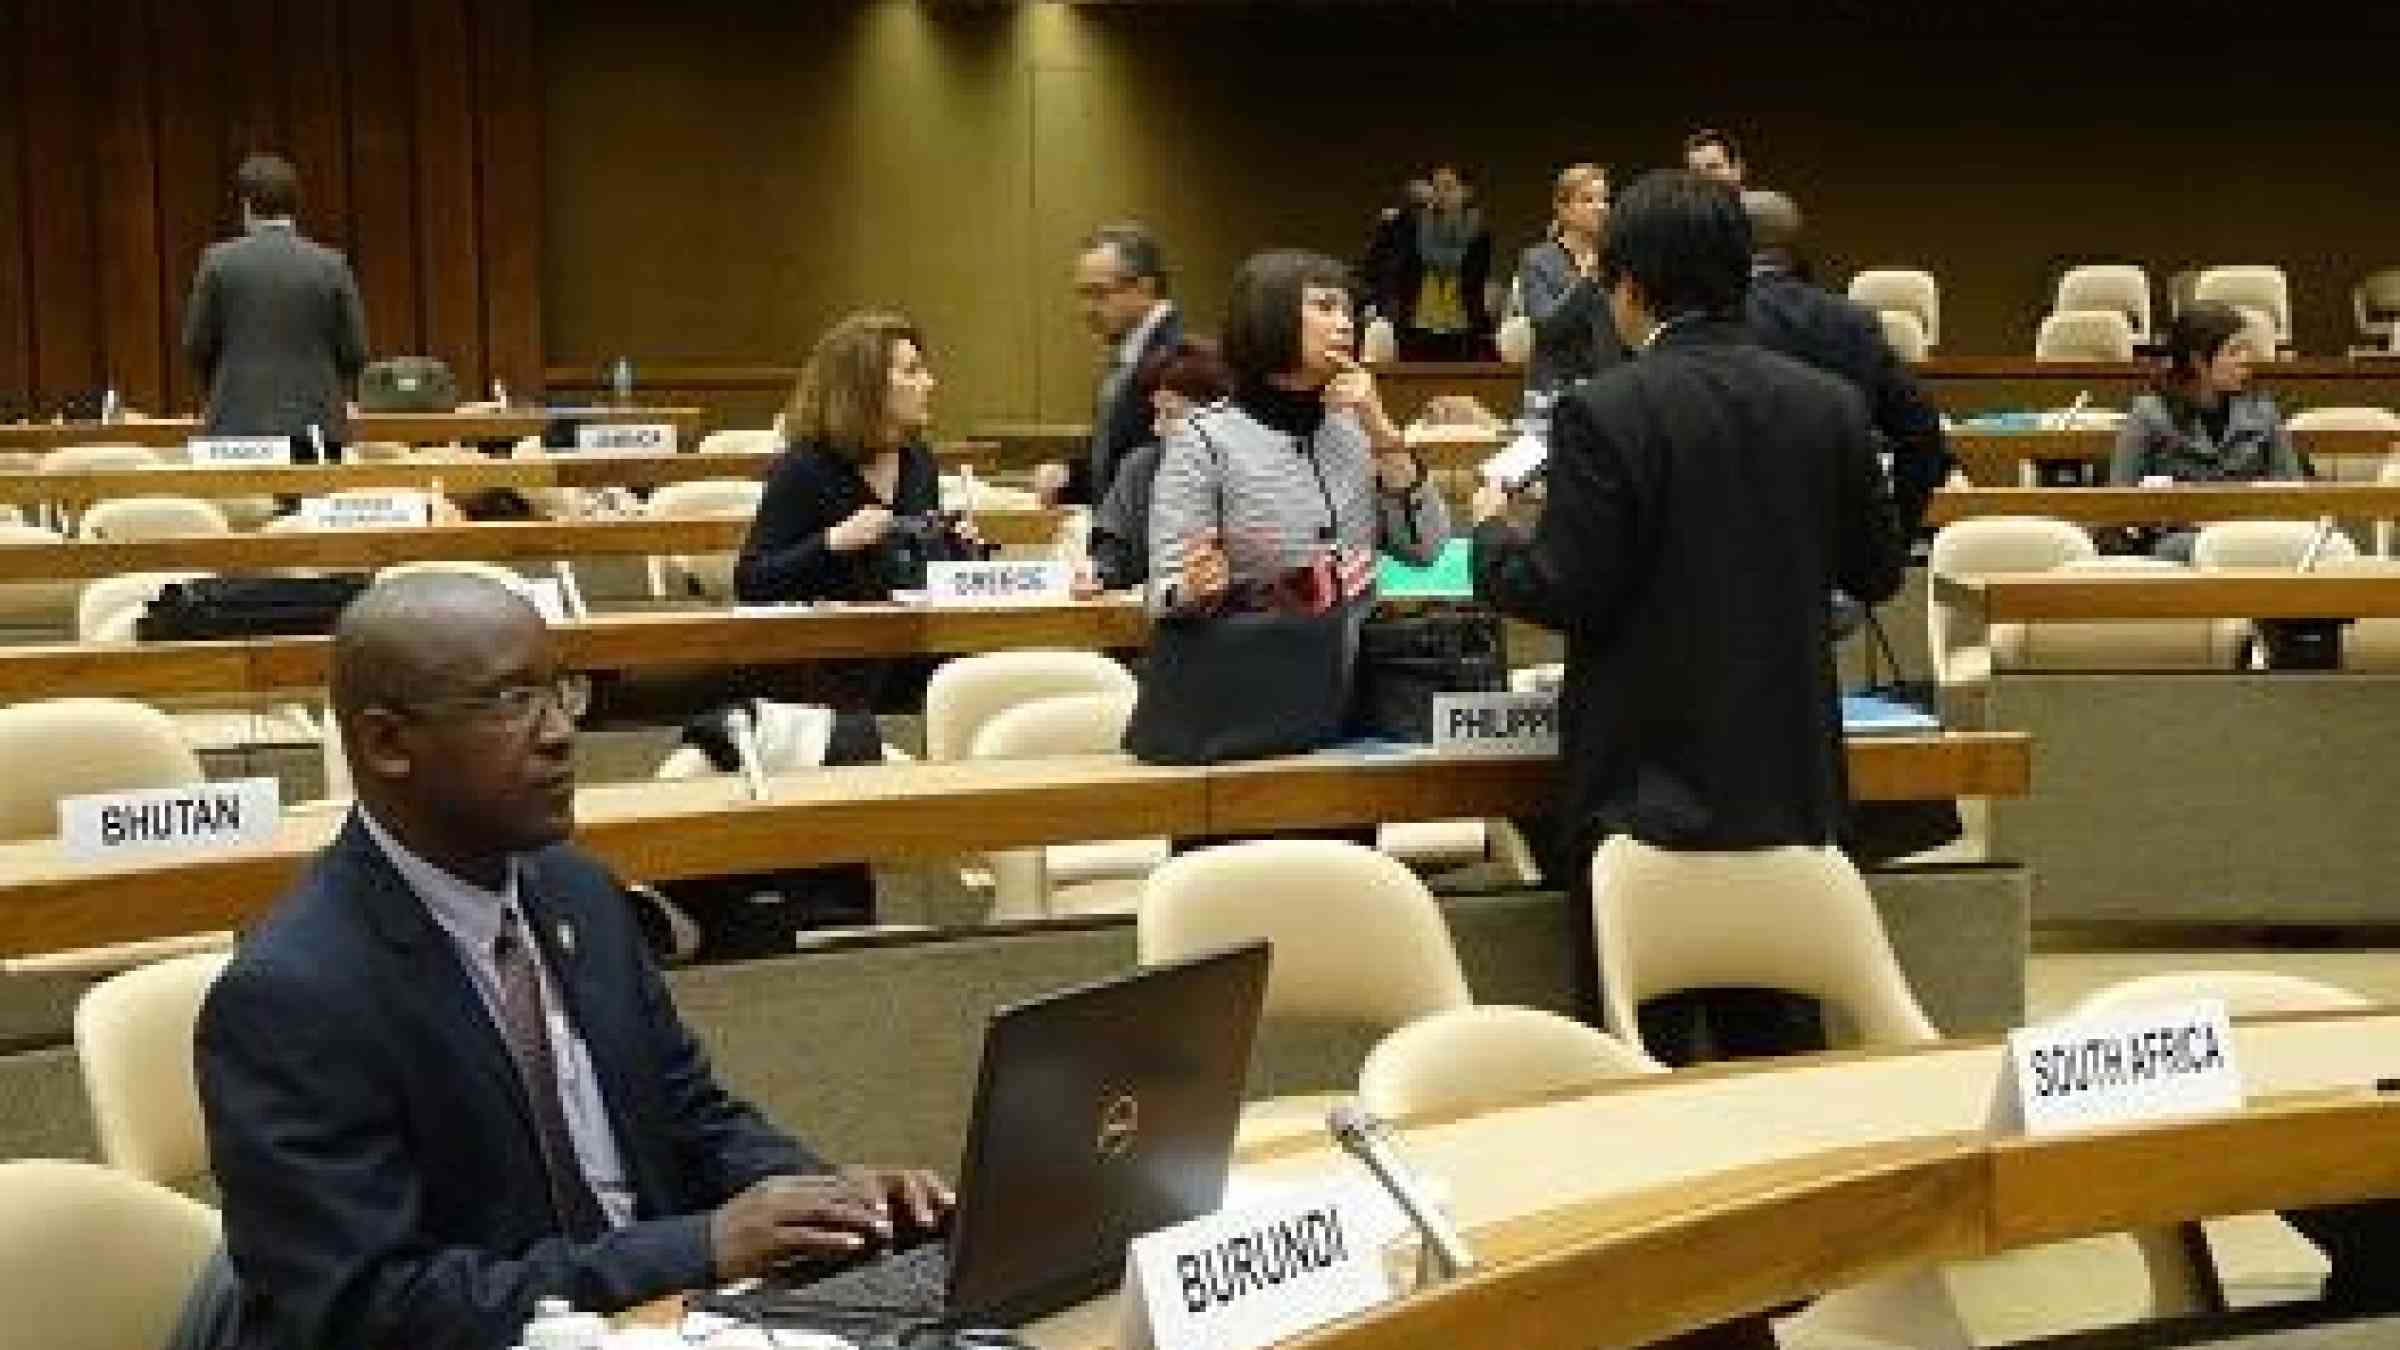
[274, 324]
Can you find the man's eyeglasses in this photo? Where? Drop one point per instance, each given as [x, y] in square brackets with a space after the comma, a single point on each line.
[517, 705]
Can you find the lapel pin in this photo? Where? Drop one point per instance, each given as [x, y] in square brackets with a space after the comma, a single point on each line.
[566, 938]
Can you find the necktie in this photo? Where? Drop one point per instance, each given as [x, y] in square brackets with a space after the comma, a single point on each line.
[525, 1026]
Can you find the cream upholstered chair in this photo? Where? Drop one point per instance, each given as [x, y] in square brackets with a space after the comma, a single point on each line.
[704, 575]
[1904, 333]
[109, 606]
[1358, 941]
[2264, 543]
[1082, 878]
[133, 1039]
[2084, 335]
[69, 747]
[2375, 301]
[2350, 468]
[1960, 644]
[126, 519]
[94, 1259]
[2143, 644]
[968, 691]
[741, 440]
[2258, 333]
[1906, 289]
[2122, 287]
[99, 458]
[489, 571]
[1669, 921]
[2368, 644]
[1471, 1059]
[2253, 286]
[42, 604]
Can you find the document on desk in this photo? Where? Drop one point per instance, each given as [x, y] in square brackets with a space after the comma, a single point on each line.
[1517, 461]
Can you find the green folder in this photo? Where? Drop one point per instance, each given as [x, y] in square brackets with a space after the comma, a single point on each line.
[1447, 577]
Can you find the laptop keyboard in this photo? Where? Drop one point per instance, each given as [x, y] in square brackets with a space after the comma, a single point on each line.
[913, 1283]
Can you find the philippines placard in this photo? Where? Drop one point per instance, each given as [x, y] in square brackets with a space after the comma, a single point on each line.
[1495, 723]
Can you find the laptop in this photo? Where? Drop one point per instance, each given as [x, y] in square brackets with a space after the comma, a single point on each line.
[1102, 1112]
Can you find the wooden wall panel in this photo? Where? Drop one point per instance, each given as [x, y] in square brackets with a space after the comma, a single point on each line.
[122, 121]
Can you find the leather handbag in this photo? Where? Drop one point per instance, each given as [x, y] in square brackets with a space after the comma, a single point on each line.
[1406, 659]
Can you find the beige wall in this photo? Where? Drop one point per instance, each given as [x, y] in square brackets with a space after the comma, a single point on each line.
[717, 192]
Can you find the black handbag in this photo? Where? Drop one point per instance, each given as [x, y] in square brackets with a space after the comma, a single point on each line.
[1406, 659]
[240, 607]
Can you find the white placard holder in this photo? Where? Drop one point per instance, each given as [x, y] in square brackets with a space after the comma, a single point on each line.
[398, 510]
[1517, 461]
[1247, 1277]
[238, 452]
[1495, 723]
[198, 818]
[2150, 1063]
[626, 438]
[978, 583]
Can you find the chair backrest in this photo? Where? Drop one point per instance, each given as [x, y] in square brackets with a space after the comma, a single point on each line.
[2264, 543]
[968, 691]
[2142, 644]
[1905, 333]
[472, 567]
[1061, 724]
[133, 1039]
[125, 519]
[2259, 286]
[1902, 288]
[706, 575]
[2349, 468]
[2084, 335]
[734, 440]
[95, 1259]
[1795, 919]
[106, 610]
[2258, 334]
[34, 602]
[2244, 992]
[2119, 286]
[2375, 300]
[69, 747]
[1358, 938]
[2180, 286]
[100, 458]
[1471, 1059]
[1981, 547]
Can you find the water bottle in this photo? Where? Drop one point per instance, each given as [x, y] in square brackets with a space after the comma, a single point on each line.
[620, 379]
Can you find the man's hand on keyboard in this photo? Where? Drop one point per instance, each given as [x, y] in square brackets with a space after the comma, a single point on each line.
[815, 1218]
[916, 1203]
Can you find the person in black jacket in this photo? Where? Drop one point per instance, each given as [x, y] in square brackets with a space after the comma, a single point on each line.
[1789, 314]
[1121, 291]
[1184, 377]
[1705, 497]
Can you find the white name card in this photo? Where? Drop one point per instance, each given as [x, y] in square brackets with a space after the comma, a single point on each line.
[2172, 1059]
[627, 438]
[550, 598]
[1250, 1276]
[1495, 724]
[975, 582]
[194, 819]
[367, 510]
[238, 452]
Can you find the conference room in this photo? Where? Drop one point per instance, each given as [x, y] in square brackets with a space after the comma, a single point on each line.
[813, 525]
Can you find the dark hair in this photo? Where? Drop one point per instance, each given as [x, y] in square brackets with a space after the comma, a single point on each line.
[1191, 368]
[1136, 252]
[1723, 140]
[2194, 337]
[1262, 318]
[1683, 239]
[268, 185]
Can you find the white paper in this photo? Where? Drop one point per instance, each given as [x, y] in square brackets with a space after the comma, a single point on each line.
[1495, 723]
[197, 818]
[549, 599]
[2153, 1063]
[1516, 461]
[238, 452]
[626, 438]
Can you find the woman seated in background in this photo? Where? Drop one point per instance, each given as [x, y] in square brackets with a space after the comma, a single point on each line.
[1186, 376]
[2201, 424]
[1558, 284]
[1300, 474]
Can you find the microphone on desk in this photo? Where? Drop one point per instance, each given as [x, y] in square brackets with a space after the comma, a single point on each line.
[1363, 1137]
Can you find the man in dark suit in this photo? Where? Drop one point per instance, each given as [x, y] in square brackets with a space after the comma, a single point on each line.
[443, 1079]
[274, 326]
[1121, 291]
[1705, 497]
[1787, 313]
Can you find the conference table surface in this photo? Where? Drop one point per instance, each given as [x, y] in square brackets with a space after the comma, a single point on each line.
[452, 473]
[666, 831]
[2181, 504]
[2245, 593]
[2095, 445]
[506, 424]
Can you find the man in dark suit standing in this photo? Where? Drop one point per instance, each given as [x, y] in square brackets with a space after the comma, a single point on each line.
[1121, 291]
[443, 1079]
[1705, 497]
[274, 326]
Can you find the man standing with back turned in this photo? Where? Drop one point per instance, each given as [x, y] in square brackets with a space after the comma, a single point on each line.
[274, 326]
[1705, 497]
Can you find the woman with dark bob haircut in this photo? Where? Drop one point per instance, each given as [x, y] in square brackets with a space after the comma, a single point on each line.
[1282, 494]
[2202, 423]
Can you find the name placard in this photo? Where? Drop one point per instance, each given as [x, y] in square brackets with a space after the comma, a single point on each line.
[550, 598]
[238, 452]
[1253, 1275]
[193, 819]
[1495, 724]
[2171, 1059]
[976, 582]
[367, 510]
[627, 438]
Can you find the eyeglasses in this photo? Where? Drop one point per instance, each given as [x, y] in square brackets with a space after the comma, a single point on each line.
[1101, 290]
[519, 706]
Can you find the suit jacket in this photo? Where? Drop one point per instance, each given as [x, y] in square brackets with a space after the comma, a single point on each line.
[1574, 335]
[275, 328]
[1705, 498]
[1809, 324]
[381, 1174]
[1123, 424]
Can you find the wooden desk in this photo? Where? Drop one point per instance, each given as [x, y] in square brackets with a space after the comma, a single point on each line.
[2083, 596]
[405, 428]
[669, 831]
[488, 540]
[2005, 450]
[259, 667]
[2185, 504]
[467, 473]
